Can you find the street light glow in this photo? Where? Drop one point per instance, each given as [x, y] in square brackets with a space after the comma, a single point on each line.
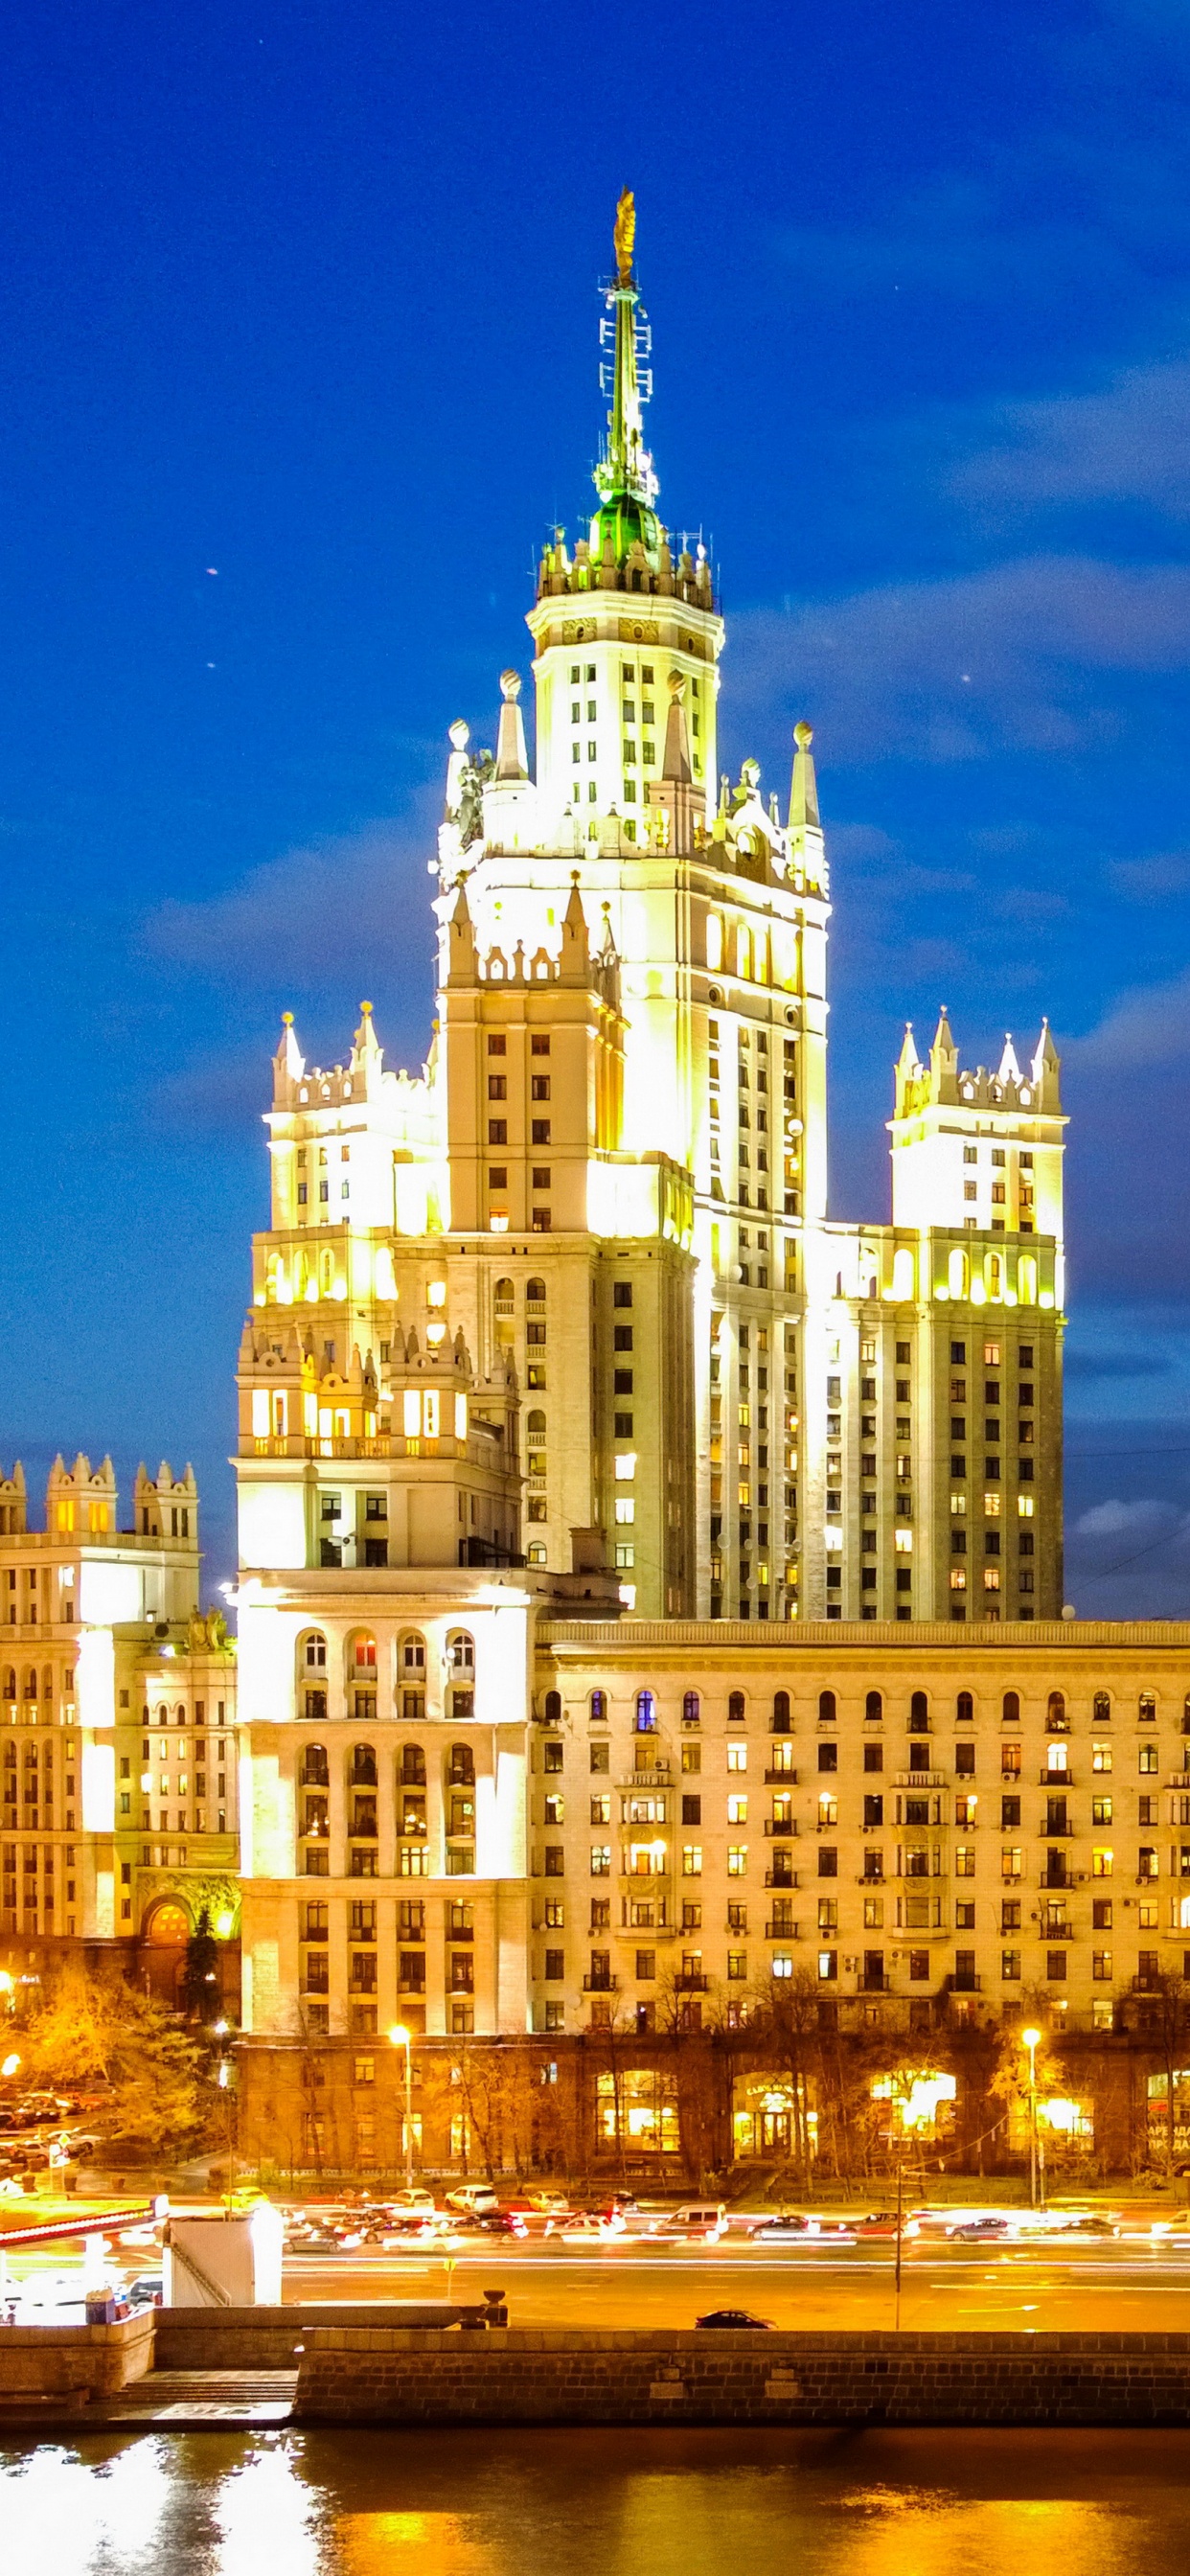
[399, 2035]
[1032, 2038]
[10, 2065]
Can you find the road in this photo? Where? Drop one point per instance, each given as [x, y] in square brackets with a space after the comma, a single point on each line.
[1123, 2286]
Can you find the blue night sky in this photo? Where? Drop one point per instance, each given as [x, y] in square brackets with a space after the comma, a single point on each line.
[298, 332]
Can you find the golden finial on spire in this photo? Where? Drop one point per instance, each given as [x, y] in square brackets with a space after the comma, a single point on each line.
[625, 235]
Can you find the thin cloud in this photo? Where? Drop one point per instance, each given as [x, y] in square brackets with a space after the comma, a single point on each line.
[1021, 655]
[335, 909]
[1126, 443]
[1145, 1027]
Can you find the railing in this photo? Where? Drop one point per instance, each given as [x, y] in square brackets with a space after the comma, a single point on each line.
[774, 1931]
[783, 1826]
[963, 1982]
[363, 1829]
[870, 1878]
[600, 1985]
[660, 1777]
[782, 1878]
[1053, 1833]
[690, 1984]
[873, 1985]
[775, 1778]
[1056, 1779]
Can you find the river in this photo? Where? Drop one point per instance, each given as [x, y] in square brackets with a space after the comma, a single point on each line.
[619, 2503]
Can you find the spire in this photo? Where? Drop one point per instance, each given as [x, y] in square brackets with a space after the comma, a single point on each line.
[462, 961]
[624, 476]
[289, 1064]
[803, 791]
[1008, 1069]
[1045, 1069]
[944, 1059]
[576, 951]
[511, 757]
[365, 1046]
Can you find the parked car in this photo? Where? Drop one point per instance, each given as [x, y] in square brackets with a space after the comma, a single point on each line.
[737, 2317]
[145, 2290]
[415, 2199]
[472, 2196]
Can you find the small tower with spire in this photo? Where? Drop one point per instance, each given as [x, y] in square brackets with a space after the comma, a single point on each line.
[978, 1150]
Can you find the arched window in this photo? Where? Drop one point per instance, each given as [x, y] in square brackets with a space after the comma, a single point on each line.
[995, 1276]
[1101, 1708]
[873, 1709]
[902, 1278]
[598, 1708]
[1012, 1708]
[956, 1274]
[535, 1292]
[413, 1658]
[315, 1772]
[314, 1652]
[964, 1708]
[735, 1708]
[1146, 1709]
[553, 1708]
[363, 1656]
[1026, 1279]
[646, 1713]
[535, 1424]
[10, 1682]
[413, 1766]
[29, 1690]
[1056, 1711]
[460, 1768]
[10, 1756]
[781, 1719]
[714, 942]
[919, 1709]
[691, 1708]
[826, 1708]
[47, 1687]
[505, 1296]
[363, 1766]
[179, 1715]
[460, 1665]
[162, 1714]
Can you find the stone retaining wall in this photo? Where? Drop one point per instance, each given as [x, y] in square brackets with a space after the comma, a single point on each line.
[74, 2361]
[269, 2338]
[361, 2374]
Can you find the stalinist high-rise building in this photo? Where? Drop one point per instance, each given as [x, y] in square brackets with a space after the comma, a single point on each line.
[612, 1172]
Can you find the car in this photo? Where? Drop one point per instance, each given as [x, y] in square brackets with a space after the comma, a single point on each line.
[883, 2222]
[584, 2227]
[415, 2200]
[735, 2317]
[472, 2196]
[145, 2290]
[980, 2231]
[550, 2201]
[786, 2229]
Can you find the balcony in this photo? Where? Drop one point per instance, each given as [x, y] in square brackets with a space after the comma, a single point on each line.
[775, 1931]
[914, 1781]
[783, 1826]
[600, 1985]
[963, 1982]
[788, 1779]
[866, 1985]
[660, 1777]
[870, 1878]
[363, 1830]
[781, 1878]
[1056, 1833]
[691, 1984]
[1056, 1779]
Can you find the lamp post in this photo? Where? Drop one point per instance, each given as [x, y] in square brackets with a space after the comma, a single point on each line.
[402, 2038]
[1032, 2040]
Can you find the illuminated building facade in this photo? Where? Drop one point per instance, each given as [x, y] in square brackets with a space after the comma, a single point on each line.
[613, 1167]
[118, 1753]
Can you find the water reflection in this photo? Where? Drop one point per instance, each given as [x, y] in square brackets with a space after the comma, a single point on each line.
[675, 2504]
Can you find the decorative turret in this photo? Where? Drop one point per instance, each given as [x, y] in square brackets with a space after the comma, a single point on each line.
[977, 1149]
[13, 1502]
[79, 1501]
[166, 1506]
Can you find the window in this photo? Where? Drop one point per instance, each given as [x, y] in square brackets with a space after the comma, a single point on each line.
[646, 1713]
[690, 1708]
[1011, 1708]
[735, 1708]
[826, 1708]
[691, 1860]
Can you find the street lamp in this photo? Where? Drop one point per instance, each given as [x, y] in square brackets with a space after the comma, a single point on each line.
[1032, 2041]
[401, 2038]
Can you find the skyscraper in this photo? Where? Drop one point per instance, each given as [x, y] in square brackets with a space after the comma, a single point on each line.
[613, 1170]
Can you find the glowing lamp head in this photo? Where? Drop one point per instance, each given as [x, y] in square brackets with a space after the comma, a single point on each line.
[10, 2065]
[398, 2035]
[1032, 2039]
[223, 1925]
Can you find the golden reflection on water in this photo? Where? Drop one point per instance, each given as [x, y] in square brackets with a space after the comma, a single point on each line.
[435, 2544]
[881, 2503]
